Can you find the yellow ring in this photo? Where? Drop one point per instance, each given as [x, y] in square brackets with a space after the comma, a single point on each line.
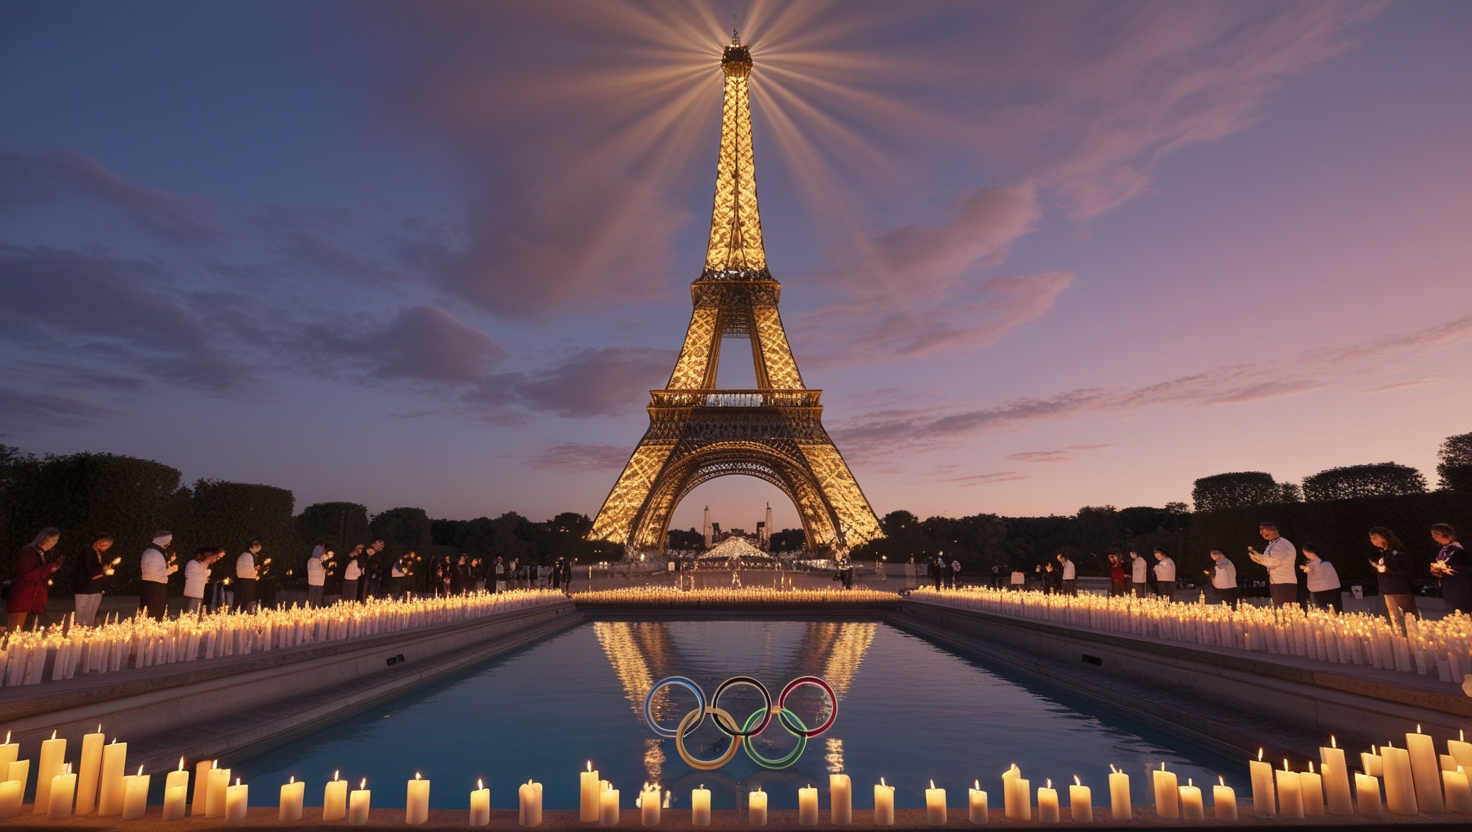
[705, 765]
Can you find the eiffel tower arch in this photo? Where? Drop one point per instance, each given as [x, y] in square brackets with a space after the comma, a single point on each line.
[698, 432]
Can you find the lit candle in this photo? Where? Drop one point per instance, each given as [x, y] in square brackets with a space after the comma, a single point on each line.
[1167, 795]
[840, 800]
[1400, 788]
[201, 783]
[1336, 779]
[1263, 803]
[9, 751]
[216, 792]
[1311, 788]
[935, 805]
[883, 804]
[648, 803]
[53, 757]
[11, 792]
[110, 779]
[293, 794]
[135, 794]
[1458, 792]
[416, 804]
[480, 804]
[1119, 795]
[1290, 799]
[1367, 795]
[1372, 763]
[1425, 772]
[1016, 795]
[335, 799]
[1191, 806]
[1080, 801]
[1223, 800]
[1048, 803]
[976, 798]
[59, 796]
[700, 806]
[237, 800]
[1448, 762]
[588, 808]
[530, 798]
[608, 806]
[807, 806]
[756, 807]
[176, 793]
[358, 804]
[89, 772]
[20, 770]
[1460, 749]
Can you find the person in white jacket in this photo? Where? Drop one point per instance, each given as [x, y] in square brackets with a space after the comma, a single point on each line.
[1138, 582]
[1323, 580]
[1165, 575]
[196, 575]
[350, 575]
[1070, 575]
[1223, 575]
[316, 574]
[1278, 556]
[153, 591]
[246, 573]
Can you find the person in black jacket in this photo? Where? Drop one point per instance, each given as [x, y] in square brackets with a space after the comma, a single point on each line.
[93, 568]
[1395, 571]
[1454, 567]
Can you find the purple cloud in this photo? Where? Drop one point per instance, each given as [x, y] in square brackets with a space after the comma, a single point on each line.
[579, 457]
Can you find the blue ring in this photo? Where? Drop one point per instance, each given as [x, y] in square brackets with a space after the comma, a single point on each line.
[700, 705]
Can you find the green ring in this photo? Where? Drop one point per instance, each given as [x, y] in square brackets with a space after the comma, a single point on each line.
[774, 765]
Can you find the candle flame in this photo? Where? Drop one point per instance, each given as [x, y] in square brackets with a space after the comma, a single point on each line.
[53, 733]
[7, 738]
[1076, 781]
[1162, 765]
[1310, 766]
[1332, 742]
[334, 775]
[1112, 769]
[932, 784]
[364, 784]
[1221, 779]
[140, 771]
[480, 784]
[1285, 763]
[881, 781]
[976, 784]
[1050, 782]
[292, 780]
[99, 727]
[68, 769]
[237, 780]
[528, 782]
[1418, 727]
[1259, 755]
[181, 763]
[215, 764]
[590, 765]
[416, 775]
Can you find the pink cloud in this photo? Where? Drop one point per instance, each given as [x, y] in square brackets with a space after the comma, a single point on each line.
[1067, 454]
[578, 457]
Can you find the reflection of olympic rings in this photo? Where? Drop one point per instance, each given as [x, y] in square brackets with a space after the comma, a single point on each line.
[741, 734]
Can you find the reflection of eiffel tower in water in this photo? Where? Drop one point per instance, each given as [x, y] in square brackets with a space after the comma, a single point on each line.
[642, 653]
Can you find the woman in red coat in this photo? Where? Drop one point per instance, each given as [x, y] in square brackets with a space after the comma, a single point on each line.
[28, 592]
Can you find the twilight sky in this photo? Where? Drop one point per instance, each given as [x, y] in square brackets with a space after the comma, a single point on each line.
[1038, 255]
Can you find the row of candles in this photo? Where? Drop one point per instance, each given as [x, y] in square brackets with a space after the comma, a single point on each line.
[664, 596]
[121, 644]
[1443, 647]
[1416, 780]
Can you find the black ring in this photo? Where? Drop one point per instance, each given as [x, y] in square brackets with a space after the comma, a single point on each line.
[734, 730]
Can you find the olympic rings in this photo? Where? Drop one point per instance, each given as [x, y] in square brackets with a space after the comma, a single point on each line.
[755, 724]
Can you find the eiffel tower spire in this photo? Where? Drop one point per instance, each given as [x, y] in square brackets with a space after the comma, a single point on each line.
[735, 225]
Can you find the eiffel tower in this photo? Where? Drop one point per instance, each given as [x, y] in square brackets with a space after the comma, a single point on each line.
[698, 432]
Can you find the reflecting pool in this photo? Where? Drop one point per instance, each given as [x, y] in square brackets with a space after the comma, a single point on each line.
[909, 711]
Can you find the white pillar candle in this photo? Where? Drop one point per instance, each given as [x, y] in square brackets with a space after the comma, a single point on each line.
[588, 807]
[1016, 795]
[807, 806]
[293, 795]
[1400, 787]
[1367, 795]
[237, 801]
[1167, 795]
[1458, 792]
[530, 798]
[335, 799]
[840, 800]
[110, 779]
[416, 803]
[1048, 803]
[608, 807]
[135, 794]
[935, 805]
[9, 751]
[19, 770]
[1080, 801]
[176, 793]
[89, 772]
[59, 796]
[700, 806]
[480, 804]
[883, 804]
[53, 757]
[1311, 790]
[1191, 806]
[649, 805]
[1290, 800]
[1119, 795]
[756, 808]
[201, 783]
[1223, 801]
[1448, 762]
[359, 802]
[216, 792]
[1336, 780]
[1372, 763]
[1460, 749]
[979, 812]
[11, 792]
[1425, 772]
[1263, 803]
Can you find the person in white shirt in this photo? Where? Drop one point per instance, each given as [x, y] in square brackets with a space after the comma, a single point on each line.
[316, 575]
[196, 575]
[350, 575]
[153, 591]
[1278, 556]
[955, 573]
[1223, 578]
[1165, 575]
[1323, 580]
[1070, 575]
[1138, 581]
[396, 576]
[246, 573]
[501, 574]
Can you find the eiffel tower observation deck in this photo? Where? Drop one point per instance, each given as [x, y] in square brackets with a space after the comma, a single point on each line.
[697, 431]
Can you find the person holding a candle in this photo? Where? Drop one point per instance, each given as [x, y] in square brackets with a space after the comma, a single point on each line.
[1394, 570]
[351, 573]
[156, 567]
[1278, 557]
[1223, 574]
[1453, 566]
[1323, 580]
[1116, 575]
[87, 585]
[1165, 575]
[32, 571]
[1139, 582]
[1069, 575]
[246, 573]
[197, 574]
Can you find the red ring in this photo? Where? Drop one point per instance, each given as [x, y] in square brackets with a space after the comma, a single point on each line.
[794, 685]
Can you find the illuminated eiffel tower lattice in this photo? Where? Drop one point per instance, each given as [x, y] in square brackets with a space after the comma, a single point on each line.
[698, 432]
